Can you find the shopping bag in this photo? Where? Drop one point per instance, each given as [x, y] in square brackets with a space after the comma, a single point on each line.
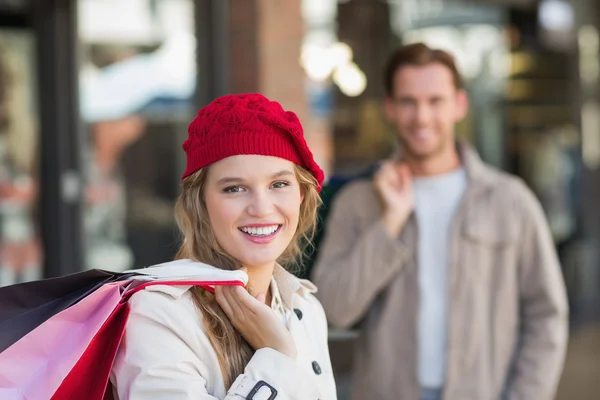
[98, 357]
[24, 306]
[36, 365]
[70, 356]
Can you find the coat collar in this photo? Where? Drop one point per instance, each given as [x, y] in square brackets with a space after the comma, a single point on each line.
[477, 171]
[284, 286]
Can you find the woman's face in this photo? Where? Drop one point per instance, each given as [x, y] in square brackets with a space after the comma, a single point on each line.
[253, 203]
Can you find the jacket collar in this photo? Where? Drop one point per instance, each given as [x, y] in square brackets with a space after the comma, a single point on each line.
[287, 285]
[477, 170]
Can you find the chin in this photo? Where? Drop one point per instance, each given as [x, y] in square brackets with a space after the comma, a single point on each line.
[257, 254]
[422, 150]
[258, 262]
[259, 257]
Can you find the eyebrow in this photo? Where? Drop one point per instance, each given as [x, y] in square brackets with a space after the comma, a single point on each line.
[234, 179]
[411, 98]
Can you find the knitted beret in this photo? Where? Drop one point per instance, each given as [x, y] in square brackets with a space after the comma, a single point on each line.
[246, 124]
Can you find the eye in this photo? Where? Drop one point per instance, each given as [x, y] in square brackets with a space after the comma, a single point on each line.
[233, 189]
[405, 102]
[279, 184]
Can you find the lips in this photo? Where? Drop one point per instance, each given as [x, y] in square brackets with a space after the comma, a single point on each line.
[260, 231]
[260, 234]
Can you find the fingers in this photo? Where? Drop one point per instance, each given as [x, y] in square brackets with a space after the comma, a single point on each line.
[262, 297]
[245, 301]
[383, 174]
[388, 176]
[222, 301]
[236, 302]
[238, 309]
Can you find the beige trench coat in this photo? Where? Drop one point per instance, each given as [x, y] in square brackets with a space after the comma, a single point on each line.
[165, 353]
[508, 324]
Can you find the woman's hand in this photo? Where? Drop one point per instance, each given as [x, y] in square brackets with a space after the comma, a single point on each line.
[256, 321]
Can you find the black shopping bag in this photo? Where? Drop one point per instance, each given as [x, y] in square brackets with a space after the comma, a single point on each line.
[24, 306]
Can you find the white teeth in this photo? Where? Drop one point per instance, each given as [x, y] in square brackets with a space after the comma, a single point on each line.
[262, 231]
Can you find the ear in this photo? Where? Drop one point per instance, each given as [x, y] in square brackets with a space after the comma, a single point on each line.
[462, 104]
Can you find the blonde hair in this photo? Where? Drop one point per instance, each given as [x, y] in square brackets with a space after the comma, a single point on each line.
[200, 244]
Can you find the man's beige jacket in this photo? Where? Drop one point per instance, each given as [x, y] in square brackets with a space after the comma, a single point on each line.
[508, 322]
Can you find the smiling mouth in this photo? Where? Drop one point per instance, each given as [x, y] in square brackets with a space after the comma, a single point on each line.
[262, 231]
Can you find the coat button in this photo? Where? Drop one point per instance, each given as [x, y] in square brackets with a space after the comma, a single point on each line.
[298, 313]
[316, 367]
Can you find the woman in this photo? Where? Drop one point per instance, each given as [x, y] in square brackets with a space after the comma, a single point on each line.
[250, 196]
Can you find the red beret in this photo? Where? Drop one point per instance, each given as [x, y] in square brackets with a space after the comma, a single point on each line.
[247, 124]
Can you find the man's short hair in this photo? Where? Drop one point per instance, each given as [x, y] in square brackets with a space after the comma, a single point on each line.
[418, 55]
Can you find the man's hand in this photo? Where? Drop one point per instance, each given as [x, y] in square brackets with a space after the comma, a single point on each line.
[393, 183]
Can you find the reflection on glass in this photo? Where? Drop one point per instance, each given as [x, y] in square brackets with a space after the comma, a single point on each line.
[105, 193]
[20, 244]
[137, 80]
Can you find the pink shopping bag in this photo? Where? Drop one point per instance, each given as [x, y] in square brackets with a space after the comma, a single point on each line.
[89, 378]
[70, 355]
[34, 367]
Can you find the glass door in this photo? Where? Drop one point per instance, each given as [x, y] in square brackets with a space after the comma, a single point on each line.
[21, 255]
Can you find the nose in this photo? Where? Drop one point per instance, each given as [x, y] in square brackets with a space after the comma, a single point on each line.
[423, 114]
[261, 204]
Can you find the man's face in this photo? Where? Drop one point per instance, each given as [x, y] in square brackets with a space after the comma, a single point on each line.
[424, 108]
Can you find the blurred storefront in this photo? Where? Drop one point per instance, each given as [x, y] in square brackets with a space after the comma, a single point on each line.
[21, 249]
[137, 82]
[95, 99]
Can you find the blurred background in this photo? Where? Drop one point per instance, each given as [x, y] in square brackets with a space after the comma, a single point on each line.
[96, 95]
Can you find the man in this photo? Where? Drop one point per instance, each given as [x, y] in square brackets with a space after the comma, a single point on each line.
[447, 263]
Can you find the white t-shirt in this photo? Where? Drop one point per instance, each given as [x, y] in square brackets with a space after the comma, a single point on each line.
[436, 200]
